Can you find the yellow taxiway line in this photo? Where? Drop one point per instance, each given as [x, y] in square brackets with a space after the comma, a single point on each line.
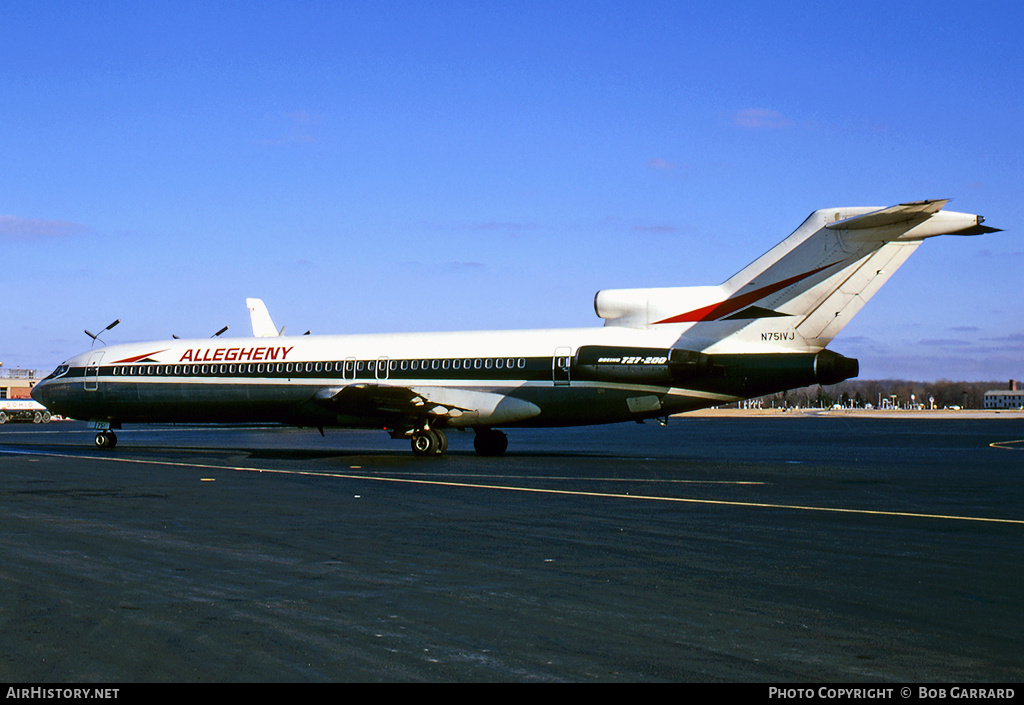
[539, 490]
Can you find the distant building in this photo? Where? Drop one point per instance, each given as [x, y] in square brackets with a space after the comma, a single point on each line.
[17, 383]
[1010, 398]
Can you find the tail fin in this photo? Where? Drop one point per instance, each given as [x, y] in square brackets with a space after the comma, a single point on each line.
[262, 324]
[799, 294]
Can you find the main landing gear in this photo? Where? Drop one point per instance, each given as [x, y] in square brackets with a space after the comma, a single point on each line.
[429, 441]
[490, 442]
[105, 440]
[433, 442]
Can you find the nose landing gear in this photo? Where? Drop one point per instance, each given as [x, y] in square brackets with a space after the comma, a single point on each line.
[105, 440]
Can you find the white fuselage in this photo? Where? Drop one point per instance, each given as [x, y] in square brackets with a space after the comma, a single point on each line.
[661, 351]
[279, 378]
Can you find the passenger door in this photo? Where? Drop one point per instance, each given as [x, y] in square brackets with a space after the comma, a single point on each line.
[561, 366]
[92, 372]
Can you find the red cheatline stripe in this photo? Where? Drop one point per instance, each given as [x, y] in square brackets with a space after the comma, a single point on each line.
[724, 308]
[138, 357]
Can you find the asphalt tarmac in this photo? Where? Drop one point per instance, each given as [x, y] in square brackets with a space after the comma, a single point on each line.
[810, 549]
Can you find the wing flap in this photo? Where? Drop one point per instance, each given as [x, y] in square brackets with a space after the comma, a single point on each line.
[456, 407]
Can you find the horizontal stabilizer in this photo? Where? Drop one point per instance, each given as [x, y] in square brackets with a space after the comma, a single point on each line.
[893, 215]
[978, 229]
[915, 221]
[798, 295]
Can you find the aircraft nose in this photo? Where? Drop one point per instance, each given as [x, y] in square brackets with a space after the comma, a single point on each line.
[55, 391]
[51, 393]
[41, 392]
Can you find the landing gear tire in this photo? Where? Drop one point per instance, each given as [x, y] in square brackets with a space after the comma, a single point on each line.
[429, 442]
[105, 440]
[490, 443]
[442, 442]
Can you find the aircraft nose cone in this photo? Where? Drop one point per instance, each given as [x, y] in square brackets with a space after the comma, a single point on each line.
[39, 393]
[46, 393]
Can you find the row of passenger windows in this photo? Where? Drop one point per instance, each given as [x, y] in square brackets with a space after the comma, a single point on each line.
[344, 367]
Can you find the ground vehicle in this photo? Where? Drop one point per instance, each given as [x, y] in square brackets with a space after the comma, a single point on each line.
[23, 410]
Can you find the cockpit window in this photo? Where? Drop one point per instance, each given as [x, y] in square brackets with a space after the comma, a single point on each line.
[61, 370]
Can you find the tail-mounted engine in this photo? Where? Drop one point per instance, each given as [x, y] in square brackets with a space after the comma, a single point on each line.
[744, 375]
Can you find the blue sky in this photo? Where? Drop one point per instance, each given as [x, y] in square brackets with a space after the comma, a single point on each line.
[400, 166]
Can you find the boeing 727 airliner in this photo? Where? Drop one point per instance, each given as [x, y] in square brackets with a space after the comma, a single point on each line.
[661, 351]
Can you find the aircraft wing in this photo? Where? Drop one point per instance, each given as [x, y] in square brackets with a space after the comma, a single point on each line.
[455, 407]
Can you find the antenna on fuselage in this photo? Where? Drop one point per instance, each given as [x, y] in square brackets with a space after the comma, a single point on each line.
[96, 336]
